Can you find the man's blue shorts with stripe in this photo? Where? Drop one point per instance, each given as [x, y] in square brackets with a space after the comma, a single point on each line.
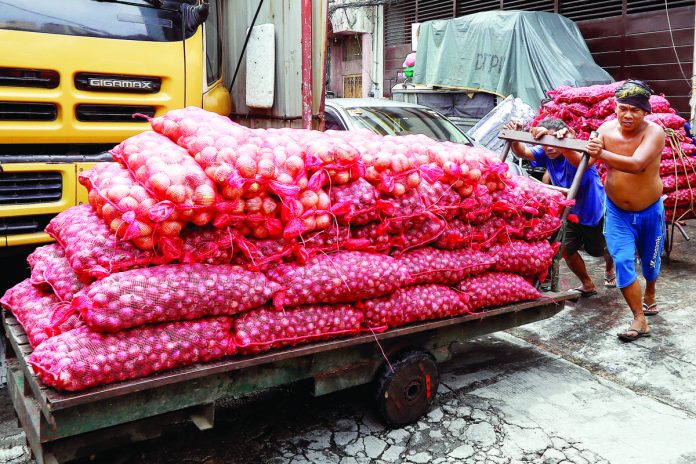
[628, 232]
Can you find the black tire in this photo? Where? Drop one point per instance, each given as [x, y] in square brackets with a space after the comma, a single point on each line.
[405, 393]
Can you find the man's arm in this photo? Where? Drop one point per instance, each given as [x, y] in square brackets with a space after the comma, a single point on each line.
[572, 156]
[518, 148]
[647, 151]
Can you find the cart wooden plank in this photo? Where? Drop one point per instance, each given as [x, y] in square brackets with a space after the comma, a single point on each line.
[548, 140]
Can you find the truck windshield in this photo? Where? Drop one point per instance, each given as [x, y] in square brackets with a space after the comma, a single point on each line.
[403, 121]
[127, 20]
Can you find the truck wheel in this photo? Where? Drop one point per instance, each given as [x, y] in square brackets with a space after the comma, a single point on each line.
[406, 391]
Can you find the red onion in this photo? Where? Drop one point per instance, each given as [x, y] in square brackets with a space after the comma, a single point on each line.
[430, 265]
[412, 304]
[81, 358]
[171, 292]
[51, 271]
[496, 289]
[523, 258]
[92, 249]
[262, 329]
[34, 309]
[337, 278]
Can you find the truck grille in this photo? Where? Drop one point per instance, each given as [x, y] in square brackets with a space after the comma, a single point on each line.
[16, 111]
[112, 113]
[117, 83]
[18, 188]
[24, 224]
[23, 77]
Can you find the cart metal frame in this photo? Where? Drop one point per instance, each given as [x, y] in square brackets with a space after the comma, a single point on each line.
[572, 144]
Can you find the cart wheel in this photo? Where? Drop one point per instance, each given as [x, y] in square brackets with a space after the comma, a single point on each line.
[405, 393]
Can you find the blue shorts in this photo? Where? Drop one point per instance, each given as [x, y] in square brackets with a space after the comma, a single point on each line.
[628, 232]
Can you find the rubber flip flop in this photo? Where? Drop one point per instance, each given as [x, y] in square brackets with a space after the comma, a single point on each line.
[610, 281]
[650, 310]
[585, 293]
[628, 336]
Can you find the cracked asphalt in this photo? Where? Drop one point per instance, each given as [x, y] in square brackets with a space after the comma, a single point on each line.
[560, 391]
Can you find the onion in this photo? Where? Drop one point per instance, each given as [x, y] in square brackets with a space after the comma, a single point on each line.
[79, 359]
[185, 292]
[34, 309]
[262, 329]
[411, 304]
[497, 288]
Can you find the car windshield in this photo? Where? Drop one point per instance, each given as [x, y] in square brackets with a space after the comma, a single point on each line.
[402, 121]
[108, 19]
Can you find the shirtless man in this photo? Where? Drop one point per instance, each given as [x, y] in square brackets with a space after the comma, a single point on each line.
[631, 148]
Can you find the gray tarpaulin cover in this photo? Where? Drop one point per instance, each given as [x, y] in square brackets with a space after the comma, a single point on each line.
[520, 53]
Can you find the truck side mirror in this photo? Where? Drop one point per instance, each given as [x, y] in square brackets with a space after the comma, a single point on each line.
[194, 16]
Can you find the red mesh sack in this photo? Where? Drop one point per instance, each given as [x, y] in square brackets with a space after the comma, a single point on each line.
[51, 270]
[362, 200]
[459, 234]
[592, 124]
[208, 245]
[169, 293]
[528, 197]
[345, 238]
[412, 304]
[436, 198]
[33, 308]
[329, 160]
[338, 278]
[524, 258]
[497, 288]
[659, 104]
[263, 329]
[440, 198]
[686, 149]
[669, 120]
[81, 358]
[430, 265]
[192, 120]
[245, 164]
[684, 197]
[603, 108]
[420, 232]
[376, 236]
[588, 95]
[92, 249]
[682, 165]
[581, 109]
[258, 216]
[478, 208]
[38, 260]
[127, 208]
[679, 214]
[169, 174]
[541, 228]
[682, 181]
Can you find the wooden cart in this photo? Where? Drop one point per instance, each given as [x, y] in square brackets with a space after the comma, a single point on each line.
[63, 426]
[402, 364]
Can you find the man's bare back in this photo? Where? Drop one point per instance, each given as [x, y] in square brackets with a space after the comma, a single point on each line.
[639, 185]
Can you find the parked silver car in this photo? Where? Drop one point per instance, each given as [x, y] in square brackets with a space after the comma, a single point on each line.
[387, 117]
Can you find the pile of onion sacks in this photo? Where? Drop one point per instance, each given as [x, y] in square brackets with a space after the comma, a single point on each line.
[206, 239]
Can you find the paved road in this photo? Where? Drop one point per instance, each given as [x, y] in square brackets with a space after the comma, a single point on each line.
[563, 390]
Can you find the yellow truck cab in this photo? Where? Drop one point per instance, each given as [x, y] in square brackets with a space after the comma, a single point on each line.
[72, 74]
